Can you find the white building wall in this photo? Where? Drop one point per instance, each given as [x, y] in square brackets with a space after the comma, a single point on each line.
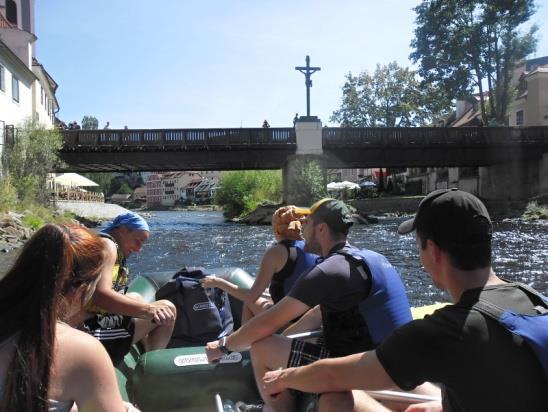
[43, 107]
[12, 112]
[19, 42]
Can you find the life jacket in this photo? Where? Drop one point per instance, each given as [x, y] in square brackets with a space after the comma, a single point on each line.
[533, 329]
[298, 262]
[120, 274]
[367, 324]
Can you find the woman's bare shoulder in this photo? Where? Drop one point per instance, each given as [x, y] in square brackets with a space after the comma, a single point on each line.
[77, 347]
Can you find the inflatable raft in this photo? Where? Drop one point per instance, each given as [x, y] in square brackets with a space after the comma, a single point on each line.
[181, 379]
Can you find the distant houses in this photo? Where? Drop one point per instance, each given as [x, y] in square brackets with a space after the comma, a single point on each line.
[174, 188]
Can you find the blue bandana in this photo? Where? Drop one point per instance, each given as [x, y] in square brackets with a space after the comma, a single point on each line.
[131, 220]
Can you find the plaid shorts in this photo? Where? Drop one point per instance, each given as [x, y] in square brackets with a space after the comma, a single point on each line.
[303, 353]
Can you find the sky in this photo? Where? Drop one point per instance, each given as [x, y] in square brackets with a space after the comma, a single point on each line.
[217, 63]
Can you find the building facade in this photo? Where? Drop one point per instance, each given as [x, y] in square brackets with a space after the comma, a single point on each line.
[27, 91]
[530, 107]
[154, 190]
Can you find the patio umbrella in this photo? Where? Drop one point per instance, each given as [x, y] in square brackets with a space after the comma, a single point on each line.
[342, 185]
[73, 179]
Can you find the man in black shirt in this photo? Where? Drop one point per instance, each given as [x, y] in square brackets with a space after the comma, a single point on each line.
[480, 365]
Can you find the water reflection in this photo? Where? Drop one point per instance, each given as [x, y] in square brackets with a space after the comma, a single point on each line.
[205, 239]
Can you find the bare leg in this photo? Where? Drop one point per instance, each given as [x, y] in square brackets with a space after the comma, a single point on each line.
[356, 401]
[269, 354]
[250, 310]
[247, 314]
[153, 335]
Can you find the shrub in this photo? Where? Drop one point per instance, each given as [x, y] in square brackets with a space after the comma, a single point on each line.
[536, 211]
[8, 195]
[32, 221]
[30, 158]
[241, 192]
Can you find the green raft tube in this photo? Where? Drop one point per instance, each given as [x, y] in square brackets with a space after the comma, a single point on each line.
[180, 378]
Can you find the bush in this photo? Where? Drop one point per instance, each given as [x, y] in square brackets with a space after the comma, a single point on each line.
[32, 156]
[242, 191]
[32, 221]
[536, 211]
[8, 195]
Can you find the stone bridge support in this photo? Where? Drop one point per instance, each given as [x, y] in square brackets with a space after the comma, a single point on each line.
[516, 180]
[308, 132]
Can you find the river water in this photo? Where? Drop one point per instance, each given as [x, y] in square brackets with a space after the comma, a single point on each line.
[204, 239]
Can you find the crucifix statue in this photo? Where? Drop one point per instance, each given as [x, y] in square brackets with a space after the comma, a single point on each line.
[307, 71]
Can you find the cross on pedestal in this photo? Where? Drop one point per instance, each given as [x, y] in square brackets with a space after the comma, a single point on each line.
[307, 71]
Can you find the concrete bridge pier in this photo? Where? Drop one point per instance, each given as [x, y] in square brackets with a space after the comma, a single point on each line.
[516, 180]
[308, 131]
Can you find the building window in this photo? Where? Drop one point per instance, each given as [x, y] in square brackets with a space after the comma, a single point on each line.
[2, 78]
[519, 118]
[15, 88]
[11, 11]
[42, 95]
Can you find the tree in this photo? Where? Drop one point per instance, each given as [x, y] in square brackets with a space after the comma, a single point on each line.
[124, 189]
[90, 123]
[468, 45]
[391, 97]
[33, 155]
[308, 182]
[103, 180]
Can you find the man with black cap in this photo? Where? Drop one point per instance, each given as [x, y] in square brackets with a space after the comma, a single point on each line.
[357, 295]
[118, 319]
[480, 364]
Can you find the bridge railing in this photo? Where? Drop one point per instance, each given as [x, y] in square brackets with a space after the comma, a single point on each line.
[181, 138]
[335, 137]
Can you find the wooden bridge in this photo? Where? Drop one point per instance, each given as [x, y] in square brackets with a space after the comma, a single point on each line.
[269, 148]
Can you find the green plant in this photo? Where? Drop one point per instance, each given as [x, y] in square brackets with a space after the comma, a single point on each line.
[308, 182]
[243, 191]
[8, 195]
[32, 221]
[535, 211]
[30, 158]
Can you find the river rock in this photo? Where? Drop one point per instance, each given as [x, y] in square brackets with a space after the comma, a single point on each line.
[262, 215]
[16, 232]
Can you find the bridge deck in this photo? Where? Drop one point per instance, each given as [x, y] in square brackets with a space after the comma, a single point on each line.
[268, 148]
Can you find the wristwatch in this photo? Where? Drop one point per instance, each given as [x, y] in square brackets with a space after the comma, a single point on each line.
[222, 346]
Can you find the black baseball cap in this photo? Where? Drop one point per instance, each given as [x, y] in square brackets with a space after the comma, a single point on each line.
[334, 212]
[451, 215]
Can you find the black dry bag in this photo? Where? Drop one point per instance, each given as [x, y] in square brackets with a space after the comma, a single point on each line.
[203, 315]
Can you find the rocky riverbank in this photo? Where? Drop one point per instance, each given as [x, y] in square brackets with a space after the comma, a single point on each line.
[262, 215]
[13, 233]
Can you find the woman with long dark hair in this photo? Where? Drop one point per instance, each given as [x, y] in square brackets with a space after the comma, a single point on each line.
[51, 365]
